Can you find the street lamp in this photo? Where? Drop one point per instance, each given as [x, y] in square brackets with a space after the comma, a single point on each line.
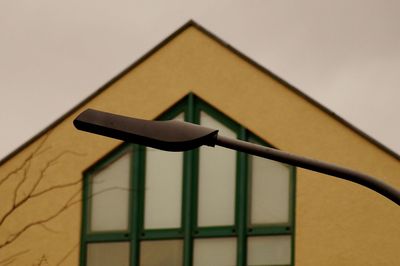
[182, 136]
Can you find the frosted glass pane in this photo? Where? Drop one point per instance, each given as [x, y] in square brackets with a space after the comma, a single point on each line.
[109, 198]
[217, 176]
[163, 188]
[214, 251]
[269, 192]
[161, 253]
[106, 254]
[269, 250]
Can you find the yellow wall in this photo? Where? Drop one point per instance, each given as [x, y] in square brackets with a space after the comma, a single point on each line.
[337, 222]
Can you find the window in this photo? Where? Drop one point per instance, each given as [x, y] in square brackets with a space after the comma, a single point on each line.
[209, 206]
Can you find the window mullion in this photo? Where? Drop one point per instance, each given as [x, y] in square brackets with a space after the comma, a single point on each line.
[85, 219]
[137, 203]
[188, 210]
[241, 203]
[293, 210]
[190, 171]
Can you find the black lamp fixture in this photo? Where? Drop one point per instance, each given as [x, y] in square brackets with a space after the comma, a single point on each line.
[182, 136]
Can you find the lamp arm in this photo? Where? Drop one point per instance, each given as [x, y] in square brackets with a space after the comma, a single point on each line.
[315, 165]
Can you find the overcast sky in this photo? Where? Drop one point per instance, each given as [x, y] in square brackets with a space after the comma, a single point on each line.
[344, 54]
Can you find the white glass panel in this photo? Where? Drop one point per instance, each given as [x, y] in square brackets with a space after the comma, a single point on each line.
[106, 254]
[269, 250]
[161, 253]
[163, 188]
[109, 200]
[214, 251]
[269, 192]
[217, 176]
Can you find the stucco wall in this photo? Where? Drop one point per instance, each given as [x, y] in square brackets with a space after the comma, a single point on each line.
[337, 222]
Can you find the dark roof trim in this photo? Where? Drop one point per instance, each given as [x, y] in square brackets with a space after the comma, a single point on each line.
[189, 24]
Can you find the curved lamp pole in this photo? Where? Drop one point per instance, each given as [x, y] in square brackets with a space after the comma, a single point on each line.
[182, 136]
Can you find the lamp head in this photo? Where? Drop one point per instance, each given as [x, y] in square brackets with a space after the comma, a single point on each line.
[169, 135]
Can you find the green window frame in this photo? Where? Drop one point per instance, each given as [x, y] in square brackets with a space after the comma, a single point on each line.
[189, 231]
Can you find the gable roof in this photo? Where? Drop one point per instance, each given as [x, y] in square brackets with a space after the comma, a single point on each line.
[187, 25]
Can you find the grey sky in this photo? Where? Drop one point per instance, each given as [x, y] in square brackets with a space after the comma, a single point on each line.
[344, 54]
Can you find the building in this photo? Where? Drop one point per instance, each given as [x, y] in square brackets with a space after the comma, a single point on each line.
[73, 198]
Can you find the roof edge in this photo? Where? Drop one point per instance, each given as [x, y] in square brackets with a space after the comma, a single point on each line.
[298, 92]
[98, 91]
[192, 23]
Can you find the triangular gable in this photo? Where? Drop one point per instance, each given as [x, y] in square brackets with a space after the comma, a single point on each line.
[192, 24]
